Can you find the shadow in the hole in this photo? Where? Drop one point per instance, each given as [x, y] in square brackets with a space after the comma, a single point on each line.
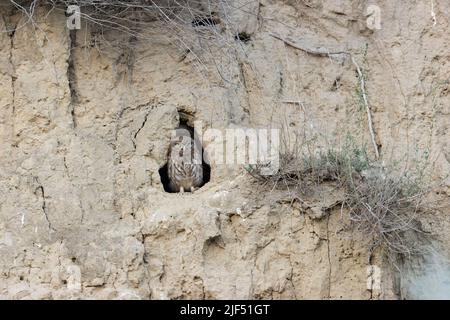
[165, 177]
[243, 36]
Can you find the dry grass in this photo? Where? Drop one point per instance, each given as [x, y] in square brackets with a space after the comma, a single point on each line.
[136, 17]
[204, 31]
[382, 203]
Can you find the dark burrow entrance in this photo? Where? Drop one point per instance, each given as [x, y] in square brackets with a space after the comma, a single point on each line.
[163, 171]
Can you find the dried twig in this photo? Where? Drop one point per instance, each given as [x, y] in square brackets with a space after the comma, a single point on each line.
[318, 51]
[366, 104]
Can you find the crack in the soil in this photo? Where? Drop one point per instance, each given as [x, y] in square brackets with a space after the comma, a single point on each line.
[40, 188]
[71, 76]
[139, 130]
[11, 29]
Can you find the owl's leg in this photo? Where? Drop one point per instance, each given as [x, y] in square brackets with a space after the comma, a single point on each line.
[192, 189]
[181, 189]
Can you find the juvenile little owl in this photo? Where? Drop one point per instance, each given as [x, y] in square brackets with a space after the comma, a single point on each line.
[185, 169]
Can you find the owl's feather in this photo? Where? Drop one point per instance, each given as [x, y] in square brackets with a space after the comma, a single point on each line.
[185, 168]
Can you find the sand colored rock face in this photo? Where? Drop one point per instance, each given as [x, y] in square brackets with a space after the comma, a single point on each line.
[85, 127]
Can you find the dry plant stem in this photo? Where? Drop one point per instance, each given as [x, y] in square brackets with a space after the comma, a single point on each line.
[319, 51]
[366, 104]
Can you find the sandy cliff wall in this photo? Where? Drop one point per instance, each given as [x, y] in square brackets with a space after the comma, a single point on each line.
[85, 125]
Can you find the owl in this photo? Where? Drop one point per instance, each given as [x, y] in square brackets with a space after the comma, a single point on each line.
[185, 170]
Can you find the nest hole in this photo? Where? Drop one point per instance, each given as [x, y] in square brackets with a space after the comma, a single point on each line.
[243, 37]
[163, 171]
[165, 178]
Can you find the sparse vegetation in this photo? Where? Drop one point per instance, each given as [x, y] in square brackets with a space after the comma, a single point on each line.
[204, 31]
[182, 20]
[381, 202]
[128, 16]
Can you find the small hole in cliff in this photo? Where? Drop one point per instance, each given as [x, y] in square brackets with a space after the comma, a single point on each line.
[243, 36]
[173, 186]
